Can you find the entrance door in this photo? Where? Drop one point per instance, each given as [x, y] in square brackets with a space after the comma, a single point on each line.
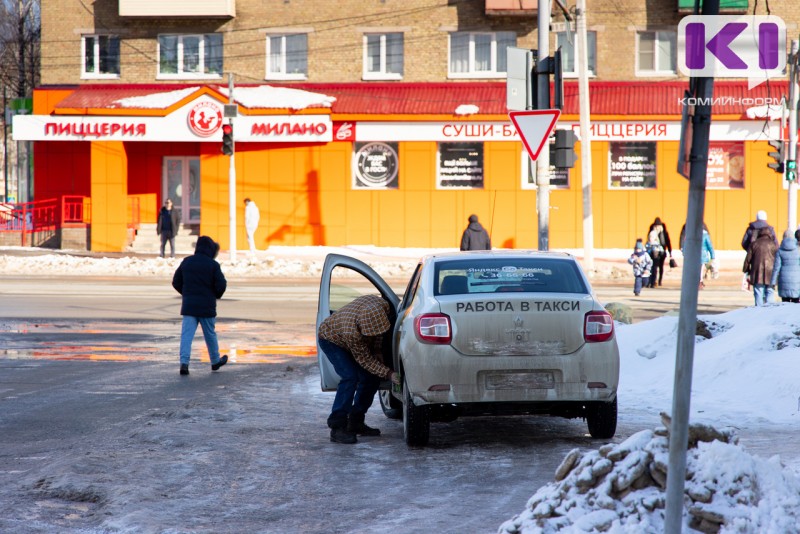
[181, 183]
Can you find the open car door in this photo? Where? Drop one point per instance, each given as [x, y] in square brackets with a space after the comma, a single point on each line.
[344, 279]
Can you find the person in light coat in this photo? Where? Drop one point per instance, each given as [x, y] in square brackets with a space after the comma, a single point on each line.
[786, 270]
[642, 265]
[251, 218]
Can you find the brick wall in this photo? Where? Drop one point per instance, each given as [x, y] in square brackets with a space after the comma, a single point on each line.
[335, 34]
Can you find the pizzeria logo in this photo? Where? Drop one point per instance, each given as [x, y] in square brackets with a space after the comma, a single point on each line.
[205, 119]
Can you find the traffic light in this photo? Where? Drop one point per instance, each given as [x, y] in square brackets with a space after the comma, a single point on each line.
[227, 139]
[791, 171]
[778, 156]
[565, 150]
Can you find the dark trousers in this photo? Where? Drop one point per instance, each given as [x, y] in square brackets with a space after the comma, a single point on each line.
[356, 389]
[658, 269]
[164, 238]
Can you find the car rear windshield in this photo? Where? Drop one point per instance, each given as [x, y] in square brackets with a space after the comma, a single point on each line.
[500, 275]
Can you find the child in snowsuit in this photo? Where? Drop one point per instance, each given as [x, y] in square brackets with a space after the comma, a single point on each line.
[642, 265]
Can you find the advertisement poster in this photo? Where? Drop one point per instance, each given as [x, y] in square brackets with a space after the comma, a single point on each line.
[725, 165]
[460, 166]
[632, 165]
[375, 166]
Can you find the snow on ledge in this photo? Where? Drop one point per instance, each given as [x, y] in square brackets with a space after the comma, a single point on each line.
[467, 109]
[266, 96]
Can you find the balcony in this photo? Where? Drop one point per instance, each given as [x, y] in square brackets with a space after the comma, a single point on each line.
[177, 8]
[514, 8]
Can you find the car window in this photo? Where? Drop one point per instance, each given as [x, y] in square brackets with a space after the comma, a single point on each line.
[347, 285]
[508, 275]
[411, 289]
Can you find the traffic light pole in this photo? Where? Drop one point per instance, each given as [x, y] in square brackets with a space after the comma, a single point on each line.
[791, 161]
[543, 102]
[232, 183]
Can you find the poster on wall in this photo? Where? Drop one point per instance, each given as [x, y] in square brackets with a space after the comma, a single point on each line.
[632, 165]
[725, 165]
[460, 166]
[559, 178]
[375, 166]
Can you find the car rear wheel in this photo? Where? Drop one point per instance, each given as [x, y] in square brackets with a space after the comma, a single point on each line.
[392, 408]
[416, 421]
[601, 418]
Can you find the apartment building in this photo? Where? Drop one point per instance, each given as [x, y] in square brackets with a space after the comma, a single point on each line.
[379, 122]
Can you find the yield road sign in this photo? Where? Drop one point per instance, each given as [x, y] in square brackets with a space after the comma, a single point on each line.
[534, 127]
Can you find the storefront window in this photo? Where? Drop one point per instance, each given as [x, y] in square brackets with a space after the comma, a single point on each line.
[725, 165]
[632, 165]
[375, 166]
[460, 166]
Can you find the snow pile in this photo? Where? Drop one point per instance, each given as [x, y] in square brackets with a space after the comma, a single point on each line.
[158, 100]
[467, 109]
[621, 489]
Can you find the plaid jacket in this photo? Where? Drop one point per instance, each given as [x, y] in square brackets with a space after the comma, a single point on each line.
[359, 327]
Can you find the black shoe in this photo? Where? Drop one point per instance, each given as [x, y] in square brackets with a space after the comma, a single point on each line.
[342, 435]
[184, 369]
[222, 361]
[362, 429]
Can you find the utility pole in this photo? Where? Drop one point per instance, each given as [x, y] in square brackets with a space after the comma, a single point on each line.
[5, 145]
[791, 161]
[703, 89]
[582, 62]
[543, 102]
[232, 182]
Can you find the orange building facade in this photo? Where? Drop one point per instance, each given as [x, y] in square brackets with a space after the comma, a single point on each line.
[340, 172]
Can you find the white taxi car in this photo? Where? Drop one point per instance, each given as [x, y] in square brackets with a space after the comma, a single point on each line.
[487, 333]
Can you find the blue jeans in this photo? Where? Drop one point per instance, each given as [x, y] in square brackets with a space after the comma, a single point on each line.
[638, 281]
[189, 327]
[761, 298]
[356, 389]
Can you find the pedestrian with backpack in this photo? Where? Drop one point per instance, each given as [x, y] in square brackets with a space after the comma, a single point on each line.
[658, 246]
[642, 264]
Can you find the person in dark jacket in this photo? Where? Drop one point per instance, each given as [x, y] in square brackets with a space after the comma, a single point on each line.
[658, 246]
[759, 263]
[786, 270]
[475, 237]
[758, 224]
[167, 227]
[200, 282]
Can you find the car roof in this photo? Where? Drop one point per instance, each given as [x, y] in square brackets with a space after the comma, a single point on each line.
[495, 254]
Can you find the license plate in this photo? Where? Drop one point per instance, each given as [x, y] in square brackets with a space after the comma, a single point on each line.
[537, 380]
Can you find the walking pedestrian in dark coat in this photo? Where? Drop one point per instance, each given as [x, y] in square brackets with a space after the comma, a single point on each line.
[759, 263]
[658, 246]
[200, 282]
[167, 227]
[475, 237]
[758, 224]
[786, 270]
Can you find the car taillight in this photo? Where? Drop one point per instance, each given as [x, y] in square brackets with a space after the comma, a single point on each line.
[433, 328]
[598, 326]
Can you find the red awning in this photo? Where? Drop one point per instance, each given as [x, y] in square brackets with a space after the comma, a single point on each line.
[639, 98]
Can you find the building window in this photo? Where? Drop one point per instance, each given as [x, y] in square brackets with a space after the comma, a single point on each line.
[287, 56]
[190, 56]
[479, 55]
[383, 56]
[656, 53]
[100, 56]
[568, 52]
[460, 166]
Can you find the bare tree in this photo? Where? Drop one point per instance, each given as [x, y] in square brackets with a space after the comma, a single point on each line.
[20, 39]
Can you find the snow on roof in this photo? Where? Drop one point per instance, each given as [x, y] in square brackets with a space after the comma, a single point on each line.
[467, 109]
[159, 100]
[266, 96]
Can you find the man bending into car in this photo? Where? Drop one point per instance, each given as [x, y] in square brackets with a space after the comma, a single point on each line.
[351, 338]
